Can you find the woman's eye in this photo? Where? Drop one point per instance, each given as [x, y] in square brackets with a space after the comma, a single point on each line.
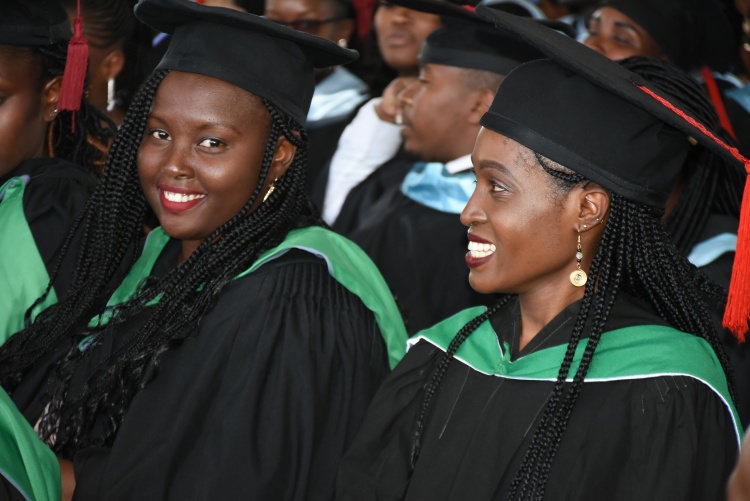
[210, 142]
[160, 135]
[496, 187]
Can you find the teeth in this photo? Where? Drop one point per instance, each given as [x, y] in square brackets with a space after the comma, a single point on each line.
[480, 250]
[181, 197]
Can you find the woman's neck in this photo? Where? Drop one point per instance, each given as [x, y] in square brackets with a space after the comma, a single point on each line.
[539, 307]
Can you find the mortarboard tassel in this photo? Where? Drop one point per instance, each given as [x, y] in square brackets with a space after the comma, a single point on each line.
[74, 77]
[737, 312]
[364, 10]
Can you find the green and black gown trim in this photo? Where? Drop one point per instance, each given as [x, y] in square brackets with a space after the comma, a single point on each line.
[262, 398]
[29, 470]
[653, 421]
[347, 263]
[39, 202]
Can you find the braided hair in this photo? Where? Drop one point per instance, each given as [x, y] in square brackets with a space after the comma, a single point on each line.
[711, 185]
[87, 142]
[635, 255]
[110, 225]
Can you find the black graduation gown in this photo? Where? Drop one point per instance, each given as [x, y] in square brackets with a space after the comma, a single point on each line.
[420, 252]
[657, 438]
[367, 201]
[54, 197]
[260, 404]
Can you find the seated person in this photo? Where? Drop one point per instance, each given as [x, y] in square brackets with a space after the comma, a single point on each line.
[237, 357]
[598, 374]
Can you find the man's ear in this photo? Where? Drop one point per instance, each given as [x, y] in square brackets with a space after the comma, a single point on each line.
[50, 94]
[480, 104]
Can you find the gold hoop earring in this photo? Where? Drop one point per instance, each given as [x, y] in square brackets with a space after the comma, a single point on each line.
[271, 189]
[578, 277]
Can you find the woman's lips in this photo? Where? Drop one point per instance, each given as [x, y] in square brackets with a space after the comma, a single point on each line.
[480, 251]
[178, 199]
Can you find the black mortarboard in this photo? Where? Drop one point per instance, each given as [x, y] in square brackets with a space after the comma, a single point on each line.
[265, 58]
[609, 124]
[467, 41]
[692, 33]
[40, 22]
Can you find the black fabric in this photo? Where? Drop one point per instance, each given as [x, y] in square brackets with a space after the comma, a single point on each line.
[739, 117]
[566, 118]
[260, 404]
[692, 33]
[249, 51]
[420, 252]
[371, 198]
[475, 45]
[654, 438]
[35, 23]
[617, 133]
[54, 197]
[8, 491]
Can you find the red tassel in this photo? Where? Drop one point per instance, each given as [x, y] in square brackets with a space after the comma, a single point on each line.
[364, 10]
[717, 101]
[74, 77]
[737, 312]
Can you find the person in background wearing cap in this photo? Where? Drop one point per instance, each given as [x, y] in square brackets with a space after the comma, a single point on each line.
[373, 137]
[598, 374]
[413, 233]
[703, 211]
[118, 47]
[237, 357]
[50, 154]
[338, 91]
[693, 34]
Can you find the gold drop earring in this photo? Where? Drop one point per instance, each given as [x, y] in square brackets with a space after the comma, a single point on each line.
[578, 277]
[270, 190]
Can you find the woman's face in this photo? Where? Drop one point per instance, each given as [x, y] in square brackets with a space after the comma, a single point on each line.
[615, 35]
[516, 212]
[400, 33]
[201, 154]
[27, 106]
[306, 15]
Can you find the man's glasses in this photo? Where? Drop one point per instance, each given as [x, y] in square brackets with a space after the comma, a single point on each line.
[311, 26]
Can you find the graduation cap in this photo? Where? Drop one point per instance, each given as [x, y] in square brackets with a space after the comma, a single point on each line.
[692, 33]
[609, 124]
[45, 22]
[39, 23]
[262, 57]
[467, 41]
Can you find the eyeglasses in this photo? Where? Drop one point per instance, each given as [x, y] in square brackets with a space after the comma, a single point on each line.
[311, 26]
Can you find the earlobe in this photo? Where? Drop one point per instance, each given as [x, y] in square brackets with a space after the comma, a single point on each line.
[50, 94]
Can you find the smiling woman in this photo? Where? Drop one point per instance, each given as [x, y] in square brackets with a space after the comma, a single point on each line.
[598, 374]
[237, 357]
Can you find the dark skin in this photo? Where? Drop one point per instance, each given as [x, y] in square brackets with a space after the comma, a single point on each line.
[617, 36]
[289, 11]
[533, 227]
[401, 32]
[27, 106]
[203, 135]
[441, 113]
[204, 139]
